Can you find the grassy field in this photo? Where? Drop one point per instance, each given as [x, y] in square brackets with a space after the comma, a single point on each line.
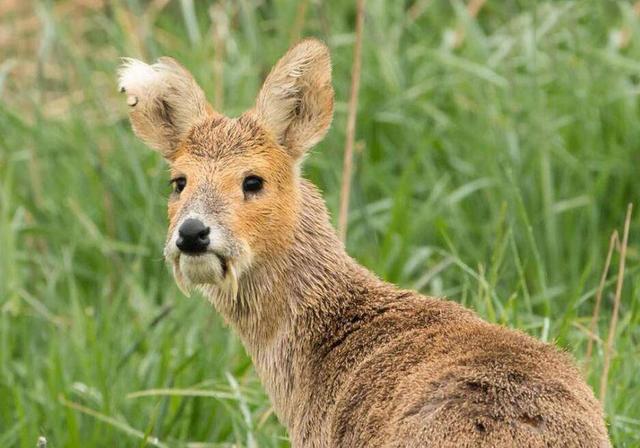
[497, 156]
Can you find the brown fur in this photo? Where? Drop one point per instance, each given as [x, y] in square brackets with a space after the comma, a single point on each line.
[347, 359]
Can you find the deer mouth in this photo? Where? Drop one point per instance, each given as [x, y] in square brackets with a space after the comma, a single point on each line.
[223, 265]
[221, 259]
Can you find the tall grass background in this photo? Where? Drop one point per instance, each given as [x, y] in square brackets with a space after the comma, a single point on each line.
[496, 151]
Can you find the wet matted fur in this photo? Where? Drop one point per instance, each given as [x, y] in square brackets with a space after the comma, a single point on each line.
[347, 359]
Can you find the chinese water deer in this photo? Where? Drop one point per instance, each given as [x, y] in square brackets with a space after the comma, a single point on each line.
[347, 359]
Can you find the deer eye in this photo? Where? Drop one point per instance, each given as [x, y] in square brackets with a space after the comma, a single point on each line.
[252, 184]
[179, 184]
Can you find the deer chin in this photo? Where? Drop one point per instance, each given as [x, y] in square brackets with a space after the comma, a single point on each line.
[200, 270]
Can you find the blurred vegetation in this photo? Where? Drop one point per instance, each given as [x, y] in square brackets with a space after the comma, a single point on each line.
[497, 154]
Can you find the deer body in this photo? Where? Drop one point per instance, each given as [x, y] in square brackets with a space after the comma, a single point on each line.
[347, 359]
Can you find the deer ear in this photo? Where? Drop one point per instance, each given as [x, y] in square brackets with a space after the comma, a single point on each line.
[165, 102]
[296, 100]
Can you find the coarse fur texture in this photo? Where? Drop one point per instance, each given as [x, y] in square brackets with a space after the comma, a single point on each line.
[347, 359]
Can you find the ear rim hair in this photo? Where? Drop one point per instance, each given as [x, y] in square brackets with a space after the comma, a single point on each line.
[296, 100]
[165, 102]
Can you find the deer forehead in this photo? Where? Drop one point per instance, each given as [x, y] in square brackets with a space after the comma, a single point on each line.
[222, 138]
[220, 151]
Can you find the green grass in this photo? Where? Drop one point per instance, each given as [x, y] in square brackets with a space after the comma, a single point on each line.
[492, 173]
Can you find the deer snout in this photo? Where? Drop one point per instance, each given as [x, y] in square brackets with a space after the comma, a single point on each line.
[193, 237]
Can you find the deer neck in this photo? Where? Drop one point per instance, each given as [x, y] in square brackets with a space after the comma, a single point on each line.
[285, 300]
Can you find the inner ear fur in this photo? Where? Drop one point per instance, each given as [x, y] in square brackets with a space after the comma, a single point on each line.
[296, 99]
[164, 100]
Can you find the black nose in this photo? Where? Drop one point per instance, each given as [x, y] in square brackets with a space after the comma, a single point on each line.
[193, 237]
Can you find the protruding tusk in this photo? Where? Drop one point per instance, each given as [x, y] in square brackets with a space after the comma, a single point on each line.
[132, 100]
[183, 284]
[233, 278]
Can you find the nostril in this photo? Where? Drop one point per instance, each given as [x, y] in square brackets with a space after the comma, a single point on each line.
[193, 236]
[192, 228]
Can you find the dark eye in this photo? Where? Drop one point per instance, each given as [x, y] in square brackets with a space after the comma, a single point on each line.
[178, 184]
[252, 184]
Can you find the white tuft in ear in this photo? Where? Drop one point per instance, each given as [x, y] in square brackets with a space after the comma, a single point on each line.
[296, 100]
[165, 102]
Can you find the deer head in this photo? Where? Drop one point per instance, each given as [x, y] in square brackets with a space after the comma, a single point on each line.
[235, 181]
